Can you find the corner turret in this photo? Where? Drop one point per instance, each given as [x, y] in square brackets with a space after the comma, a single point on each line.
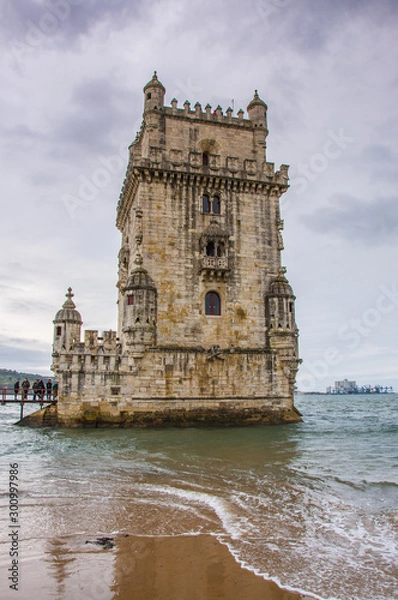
[280, 306]
[154, 94]
[67, 325]
[257, 113]
[140, 312]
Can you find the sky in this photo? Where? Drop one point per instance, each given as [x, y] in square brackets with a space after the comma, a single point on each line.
[71, 102]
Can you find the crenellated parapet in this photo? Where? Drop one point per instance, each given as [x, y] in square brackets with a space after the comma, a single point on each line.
[203, 143]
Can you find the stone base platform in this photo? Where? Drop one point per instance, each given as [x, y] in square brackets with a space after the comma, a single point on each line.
[163, 413]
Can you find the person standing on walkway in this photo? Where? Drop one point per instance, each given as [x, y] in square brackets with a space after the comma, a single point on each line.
[25, 387]
[41, 388]
[49, 388]
[16, 390]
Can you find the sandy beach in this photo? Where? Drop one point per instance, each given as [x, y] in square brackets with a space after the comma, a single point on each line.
[182, 567]
[186, 568]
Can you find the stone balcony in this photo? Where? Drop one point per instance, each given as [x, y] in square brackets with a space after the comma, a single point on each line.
[214, 266]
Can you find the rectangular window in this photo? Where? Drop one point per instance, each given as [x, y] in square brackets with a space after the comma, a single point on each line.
[59, 330]
[216, 205]
[130, 299]
[206, 204]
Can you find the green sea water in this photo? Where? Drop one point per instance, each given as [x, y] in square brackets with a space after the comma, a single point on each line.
[312, 505]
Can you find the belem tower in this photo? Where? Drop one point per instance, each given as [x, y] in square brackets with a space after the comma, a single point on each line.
[206, 322]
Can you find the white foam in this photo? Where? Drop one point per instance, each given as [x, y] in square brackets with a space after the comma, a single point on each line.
[221, 507]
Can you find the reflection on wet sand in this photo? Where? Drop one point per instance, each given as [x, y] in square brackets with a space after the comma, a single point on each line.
[184, 567]
[188, 568]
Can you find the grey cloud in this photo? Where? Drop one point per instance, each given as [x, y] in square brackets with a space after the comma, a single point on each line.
[378, 152]
[356, 220]
[84, 131]
[27, 354]
[65, 21]
[380, 160]
[30, 307]
[98, 108]
[22, 136]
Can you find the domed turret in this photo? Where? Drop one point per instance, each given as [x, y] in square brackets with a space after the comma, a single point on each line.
[257, 111]
[67, 325]
[139, 279]
[280, 285]
[154, 94]
[140, 310]
[280, 305]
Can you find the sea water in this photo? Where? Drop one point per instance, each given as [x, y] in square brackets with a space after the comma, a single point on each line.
[311, 505]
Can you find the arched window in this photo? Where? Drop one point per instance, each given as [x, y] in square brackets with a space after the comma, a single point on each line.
[216, 205]
[210, 249]
[212, 304]
[206, 203]
[205, 159]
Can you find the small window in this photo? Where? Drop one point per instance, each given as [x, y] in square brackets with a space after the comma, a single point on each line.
[291, 307]
[212, 304]
[206, 204]
[148, 96]
[205, 159]
[130, 300]
[210, 249]
[59, 330]
[216, 205]
[221, 249]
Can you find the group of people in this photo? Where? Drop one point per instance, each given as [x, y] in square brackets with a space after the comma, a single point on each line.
[39, 389]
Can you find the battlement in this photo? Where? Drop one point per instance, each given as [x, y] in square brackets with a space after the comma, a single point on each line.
[213, 116]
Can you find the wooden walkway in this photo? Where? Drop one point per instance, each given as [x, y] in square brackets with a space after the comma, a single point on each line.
[8, 396]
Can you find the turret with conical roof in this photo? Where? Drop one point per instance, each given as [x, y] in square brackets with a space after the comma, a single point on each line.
[280, 306]
[153, 115]
[154, 94]
[257, 112]
[139, 313]
[67, 325]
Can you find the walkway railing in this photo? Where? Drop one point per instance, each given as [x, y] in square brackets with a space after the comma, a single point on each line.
[9, 396]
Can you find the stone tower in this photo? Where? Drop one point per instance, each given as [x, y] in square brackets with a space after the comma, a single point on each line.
[206, 325]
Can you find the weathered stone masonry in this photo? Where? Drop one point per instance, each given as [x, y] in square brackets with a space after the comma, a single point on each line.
[206, 326]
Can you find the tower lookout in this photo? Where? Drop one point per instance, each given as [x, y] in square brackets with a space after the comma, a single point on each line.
[206, 326]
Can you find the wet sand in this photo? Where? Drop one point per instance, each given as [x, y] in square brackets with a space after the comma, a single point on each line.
[186, 568]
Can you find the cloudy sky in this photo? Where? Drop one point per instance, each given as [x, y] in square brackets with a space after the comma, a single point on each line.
[71, 102]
